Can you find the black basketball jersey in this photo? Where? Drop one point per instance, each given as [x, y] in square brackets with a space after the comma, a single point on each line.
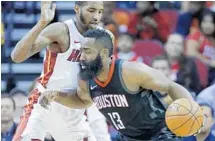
[137, 115]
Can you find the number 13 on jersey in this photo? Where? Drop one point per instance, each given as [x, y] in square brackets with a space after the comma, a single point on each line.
[117, 122]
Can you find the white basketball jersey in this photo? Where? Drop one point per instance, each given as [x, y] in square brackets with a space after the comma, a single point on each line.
[61, 69]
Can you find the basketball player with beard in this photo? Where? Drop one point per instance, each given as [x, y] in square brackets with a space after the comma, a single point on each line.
[62, 40]
[122, 90]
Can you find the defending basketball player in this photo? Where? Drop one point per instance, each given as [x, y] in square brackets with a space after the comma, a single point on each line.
[62, 40]
[122, 90]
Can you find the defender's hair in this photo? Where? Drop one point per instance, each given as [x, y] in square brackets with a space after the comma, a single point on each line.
[80, 3]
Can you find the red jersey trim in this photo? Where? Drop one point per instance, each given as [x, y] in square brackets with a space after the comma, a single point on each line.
[49, 64]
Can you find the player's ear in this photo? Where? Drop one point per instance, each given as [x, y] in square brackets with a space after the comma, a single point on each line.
[76, 9]
[104, 53]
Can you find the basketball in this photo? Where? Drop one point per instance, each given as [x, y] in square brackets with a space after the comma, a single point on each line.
[184, 117]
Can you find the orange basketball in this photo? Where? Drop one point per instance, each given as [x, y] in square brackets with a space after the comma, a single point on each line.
[184, 117]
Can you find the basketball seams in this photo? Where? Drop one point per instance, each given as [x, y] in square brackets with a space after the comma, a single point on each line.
[195, 112]
[182, 124]
[176, 115]
[199, 117]
[179, 115]
[189, 112]
[193, 116]
[185, 107]
[187, 123]
[191, 127]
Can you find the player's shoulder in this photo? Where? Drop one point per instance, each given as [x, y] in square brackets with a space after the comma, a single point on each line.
[135, 69]
[57, 27]
[131, 67]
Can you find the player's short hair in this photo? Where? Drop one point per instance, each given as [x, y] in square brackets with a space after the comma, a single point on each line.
[9, 97]
[80, 3]
[161, 57]
[102, 36]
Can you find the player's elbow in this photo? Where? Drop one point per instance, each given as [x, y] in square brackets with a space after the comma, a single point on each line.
[15, 58]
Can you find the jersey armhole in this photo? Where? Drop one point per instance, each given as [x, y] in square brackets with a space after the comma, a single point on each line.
[69, 35]
[122, 81]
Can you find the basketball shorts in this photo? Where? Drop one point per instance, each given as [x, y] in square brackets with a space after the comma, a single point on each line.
[37, 121]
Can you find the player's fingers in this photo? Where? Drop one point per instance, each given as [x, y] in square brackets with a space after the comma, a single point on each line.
[44, 104]
[43, 101]
[54, 6]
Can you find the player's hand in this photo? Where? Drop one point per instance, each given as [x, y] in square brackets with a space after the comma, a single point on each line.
[199, 131]
[47, 97]
[47, 11]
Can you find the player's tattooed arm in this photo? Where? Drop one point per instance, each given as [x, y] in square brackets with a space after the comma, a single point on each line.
[41, 35]
[30, 43]
[38, 38]
[149, 78]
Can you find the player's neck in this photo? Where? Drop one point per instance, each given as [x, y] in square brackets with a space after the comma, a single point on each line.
[5, 126]
[202, 136]
[103, 76]
[79, 25]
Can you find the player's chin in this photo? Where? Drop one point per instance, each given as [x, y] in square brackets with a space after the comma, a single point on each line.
[85, 75]
[92, 26]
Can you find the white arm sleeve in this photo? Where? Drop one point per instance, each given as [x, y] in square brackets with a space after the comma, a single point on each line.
[98, 124]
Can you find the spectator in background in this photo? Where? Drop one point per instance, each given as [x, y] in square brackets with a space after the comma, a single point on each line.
[184, 70]
[8, 126]
[2, 42]
[125, 44]
[128, 5]
[201, 43]
[115, 21]
[162, 64]
[189, 21]
[20, 98]
[206, 100]
[210, 5]
[213, 6]
[11, 83]
[2, 34]
[148, 23]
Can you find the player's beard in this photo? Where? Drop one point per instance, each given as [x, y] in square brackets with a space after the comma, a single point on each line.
[84, 23]
[91, 69]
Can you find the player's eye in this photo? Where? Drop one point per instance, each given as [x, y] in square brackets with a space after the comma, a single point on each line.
[91, 10]
[100, 12]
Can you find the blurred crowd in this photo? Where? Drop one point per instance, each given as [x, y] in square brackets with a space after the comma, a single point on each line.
[177, 38]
